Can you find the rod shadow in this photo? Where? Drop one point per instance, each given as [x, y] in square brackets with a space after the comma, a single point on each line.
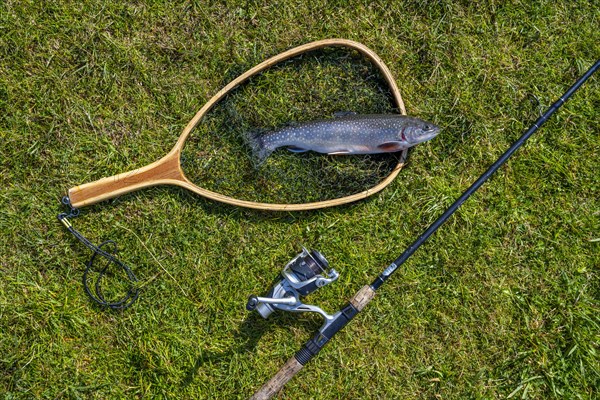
[249, 333]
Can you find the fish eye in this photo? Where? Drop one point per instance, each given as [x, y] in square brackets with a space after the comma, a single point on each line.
[427, 128]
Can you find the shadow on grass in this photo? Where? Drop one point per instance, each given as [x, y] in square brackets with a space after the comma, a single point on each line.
[249, 335]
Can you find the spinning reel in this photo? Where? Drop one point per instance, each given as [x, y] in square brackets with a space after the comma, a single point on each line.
[300, 277]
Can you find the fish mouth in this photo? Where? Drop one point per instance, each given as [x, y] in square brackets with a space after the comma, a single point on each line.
[425, 136]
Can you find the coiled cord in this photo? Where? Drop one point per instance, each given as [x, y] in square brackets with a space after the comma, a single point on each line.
[107, 252]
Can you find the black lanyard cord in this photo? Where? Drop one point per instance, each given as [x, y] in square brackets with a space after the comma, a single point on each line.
[107, 251]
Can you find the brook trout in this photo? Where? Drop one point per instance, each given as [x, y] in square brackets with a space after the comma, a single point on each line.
[347, 134]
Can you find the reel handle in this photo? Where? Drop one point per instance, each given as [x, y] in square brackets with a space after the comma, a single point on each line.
[254, 301]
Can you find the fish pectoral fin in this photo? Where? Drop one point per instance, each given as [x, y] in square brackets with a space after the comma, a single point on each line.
[391, 146]
[295, 149]
[339, 152]
[341, 114]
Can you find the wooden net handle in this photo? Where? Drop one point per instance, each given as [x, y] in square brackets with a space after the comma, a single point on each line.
[167, 171]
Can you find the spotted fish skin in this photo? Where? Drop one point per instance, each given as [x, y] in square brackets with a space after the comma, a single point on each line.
[347, 134]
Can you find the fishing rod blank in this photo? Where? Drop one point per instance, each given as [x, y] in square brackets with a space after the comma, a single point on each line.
[334, 323]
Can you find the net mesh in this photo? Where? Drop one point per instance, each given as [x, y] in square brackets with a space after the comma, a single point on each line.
[217, 157]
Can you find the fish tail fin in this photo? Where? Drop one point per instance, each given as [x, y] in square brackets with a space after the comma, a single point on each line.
[260, 151]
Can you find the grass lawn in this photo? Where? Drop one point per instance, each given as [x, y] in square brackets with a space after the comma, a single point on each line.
[502, 302]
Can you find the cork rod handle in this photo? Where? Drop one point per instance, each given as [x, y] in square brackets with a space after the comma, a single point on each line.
[362, 297]
[293, 366]
[270, 389]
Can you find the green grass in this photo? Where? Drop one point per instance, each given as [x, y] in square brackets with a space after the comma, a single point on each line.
[502, 302]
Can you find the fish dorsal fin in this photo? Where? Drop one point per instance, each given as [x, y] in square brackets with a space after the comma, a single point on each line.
[295, 149]
[338, 152]
[391, 146]
[341, 114]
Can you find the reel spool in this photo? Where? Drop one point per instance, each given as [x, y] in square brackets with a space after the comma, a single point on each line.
[300, 277]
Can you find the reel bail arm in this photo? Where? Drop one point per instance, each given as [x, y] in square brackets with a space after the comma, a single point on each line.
[300, 277]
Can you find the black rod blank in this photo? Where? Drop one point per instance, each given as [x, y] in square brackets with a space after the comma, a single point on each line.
[493, 168]
[348, 312]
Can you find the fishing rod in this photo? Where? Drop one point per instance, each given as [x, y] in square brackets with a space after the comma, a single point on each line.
[305, 273]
